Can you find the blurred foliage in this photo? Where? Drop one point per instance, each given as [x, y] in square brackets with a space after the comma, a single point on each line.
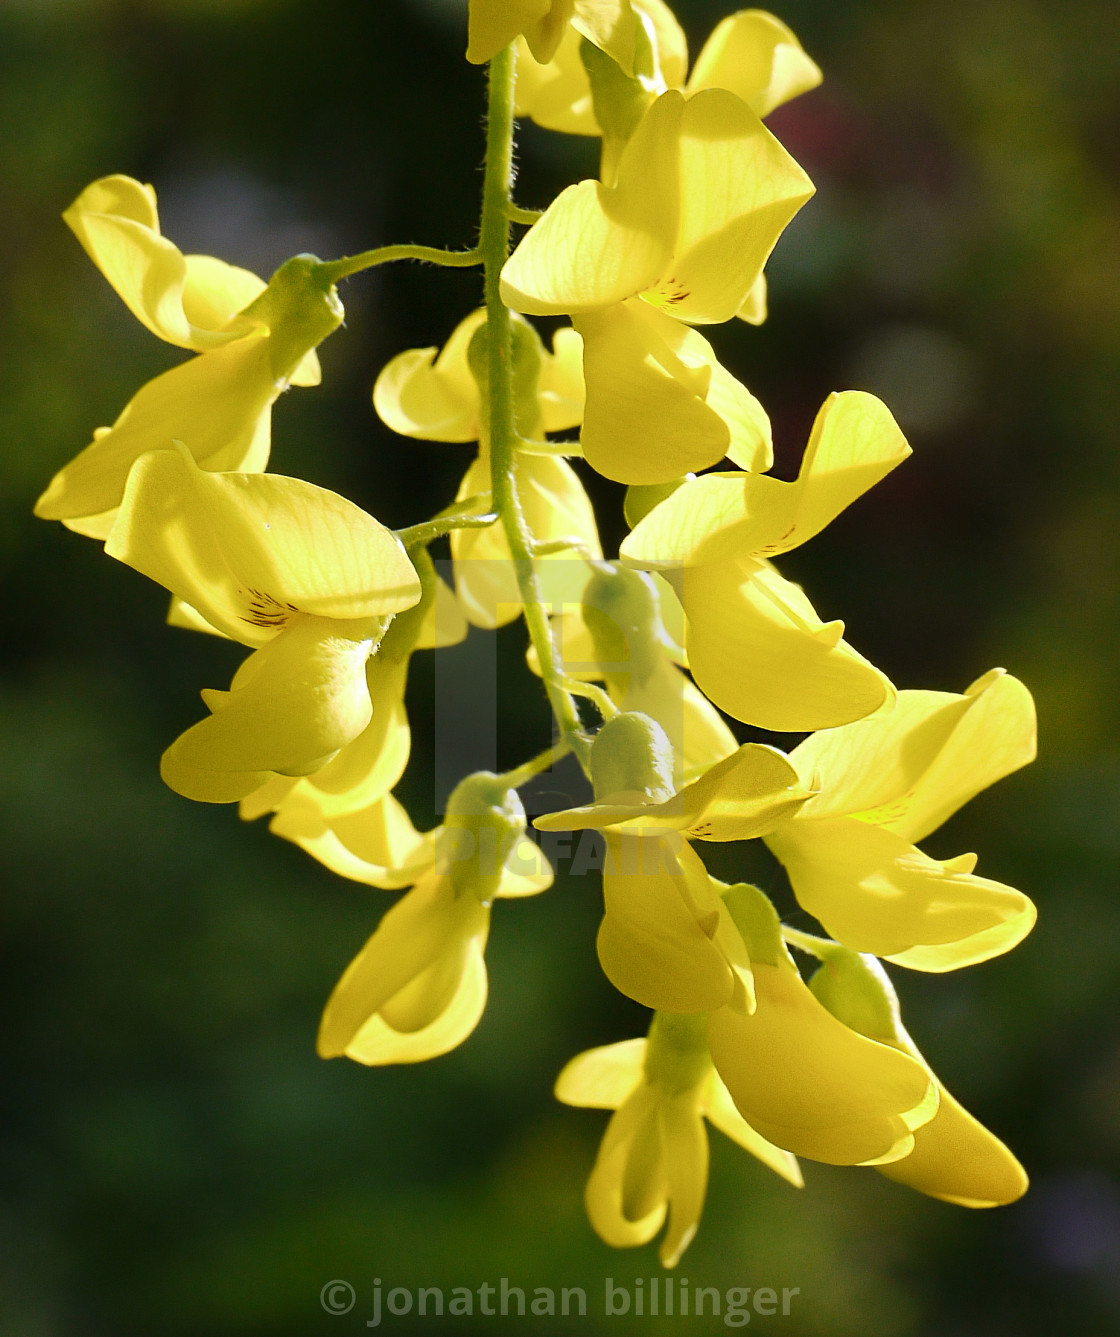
[176, 1159]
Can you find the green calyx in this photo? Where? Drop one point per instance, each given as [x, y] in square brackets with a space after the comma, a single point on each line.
[676, 1056]
[481, 827]
[622, 613]
[299, 309]
[856, 990]
[527, 352]
[632, 755]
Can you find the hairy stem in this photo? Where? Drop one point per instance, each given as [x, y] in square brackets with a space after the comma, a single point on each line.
[494, 246]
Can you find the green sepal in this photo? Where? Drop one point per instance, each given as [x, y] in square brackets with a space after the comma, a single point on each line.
[854, 987]
[481, 827]
[632, 755]
[622, 612]
[299, 310]
[676, 1053]
[758, 924]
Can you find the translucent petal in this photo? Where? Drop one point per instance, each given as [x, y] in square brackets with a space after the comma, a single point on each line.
[755, 56]
[251, 551]
[809, 1084]
[423, 925]
[561, 382]
[217, 405]
[526, 872]
[444, 623]
[722, 1114]
[684, 1149]
[303, 698]
[875, 892]
[597, 245]
[758, 651]
[957, 1159]
[647, 418]
[738, 190]
[493, 24]
[435, 399]
[557, 95]
[655, 942]
[378, 1043]
[602, 1078]
[184, 301]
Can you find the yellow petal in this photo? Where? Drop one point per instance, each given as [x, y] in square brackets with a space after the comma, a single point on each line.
[918, 759]
[874, 892]
[602, 1078]
[754, 312]
[597, 245]
[727, 516]
[435, 399]
[684, 1149]
[444, 623]
[217, 405]
[377, 1042]
[377, 846]
[655, 942]
[561, 382]
[759, 652]
[647, 418]
[755, 56]
[738, 190]
[252, 551]
[627, 1192]
[810, 1085]
[421, 927]
[722, 1114]
[296, 703]
[526, 872]
[957, 1159]
[185, 301]
[493, 24]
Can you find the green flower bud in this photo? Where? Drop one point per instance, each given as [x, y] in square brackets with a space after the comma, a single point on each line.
[632, 755]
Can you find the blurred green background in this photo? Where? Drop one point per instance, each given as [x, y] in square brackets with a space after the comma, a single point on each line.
[175, 1158]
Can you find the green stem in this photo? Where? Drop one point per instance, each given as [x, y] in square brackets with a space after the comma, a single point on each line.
[516, 214]
[425, 532]
[543, 761]
[821, 948]
[330, 271]
[493, 243]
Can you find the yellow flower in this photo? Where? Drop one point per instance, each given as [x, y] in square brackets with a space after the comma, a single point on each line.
[702, 195]
[300, 573]
[493, 24]
[439, 399]
[886, 782]
[955, 1157]
[254, 341]
[667, 939]
[756, 647]
[800, 1077]
[418, 987]
[750, 53]
[654, 1157]
[366, 769]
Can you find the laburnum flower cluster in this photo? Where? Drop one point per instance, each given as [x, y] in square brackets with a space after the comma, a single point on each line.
[691, 624]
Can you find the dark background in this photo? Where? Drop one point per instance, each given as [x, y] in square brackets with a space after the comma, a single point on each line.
[176, 1160]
